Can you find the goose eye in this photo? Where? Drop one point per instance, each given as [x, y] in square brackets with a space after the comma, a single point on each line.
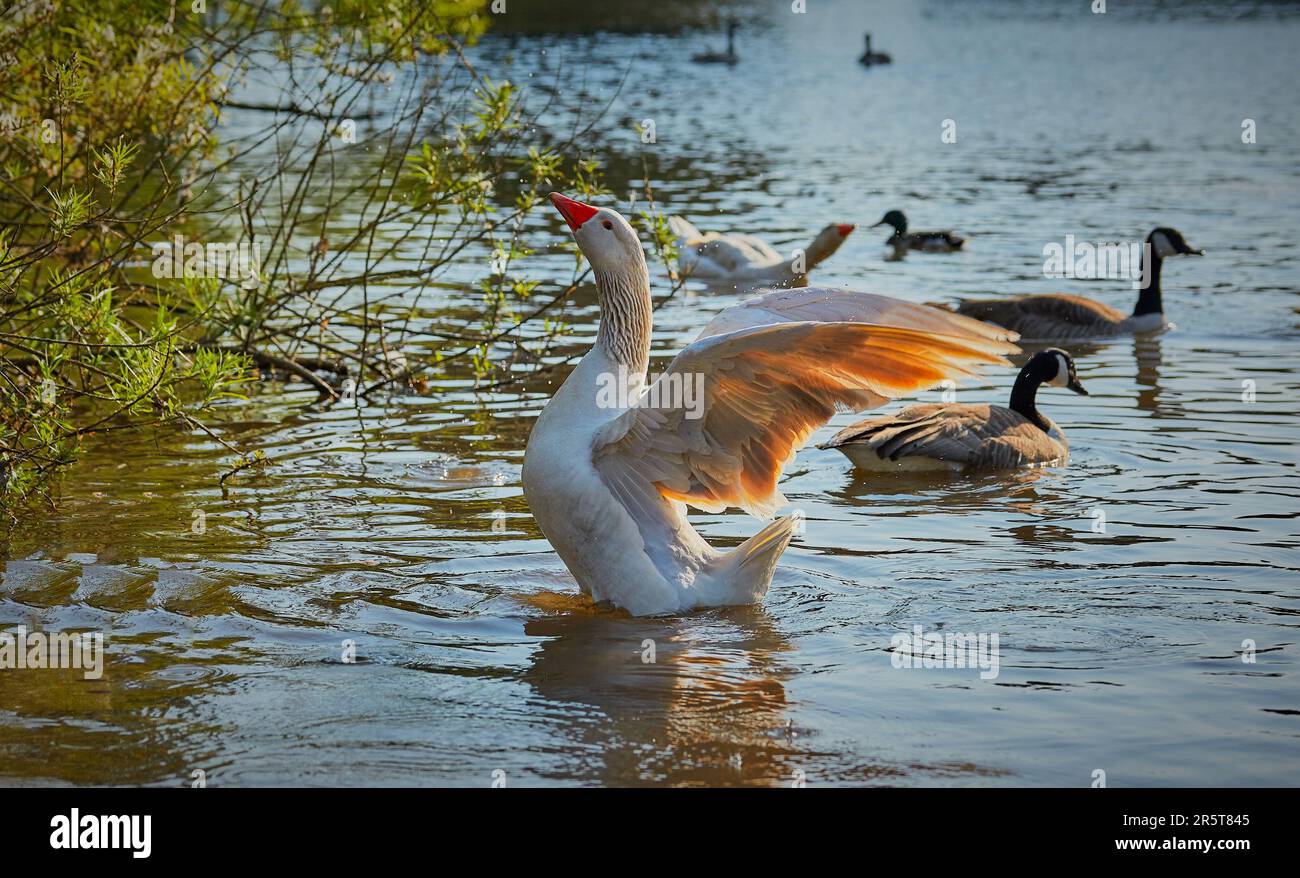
[607, 224]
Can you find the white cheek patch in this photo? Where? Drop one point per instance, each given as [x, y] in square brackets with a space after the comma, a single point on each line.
[1062, 372]
[599, 244]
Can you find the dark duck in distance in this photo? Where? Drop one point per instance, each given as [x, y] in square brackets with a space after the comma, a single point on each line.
[869, 57]
[727, 57]
[929, 242]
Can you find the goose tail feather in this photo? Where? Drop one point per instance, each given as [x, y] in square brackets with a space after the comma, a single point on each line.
[743, 575]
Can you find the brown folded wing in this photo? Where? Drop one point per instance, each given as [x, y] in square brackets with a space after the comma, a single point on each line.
[1047, 317]
[975, 436]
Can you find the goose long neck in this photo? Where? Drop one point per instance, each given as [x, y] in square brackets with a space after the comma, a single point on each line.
[822, 247]
[1149, 296]
[625, 317]
[1024, 394]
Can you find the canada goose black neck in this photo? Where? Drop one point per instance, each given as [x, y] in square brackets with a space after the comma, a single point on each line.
[1149, 296]
[1025, 392]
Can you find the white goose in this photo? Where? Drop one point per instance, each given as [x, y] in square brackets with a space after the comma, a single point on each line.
[608, 485]
[738, 258]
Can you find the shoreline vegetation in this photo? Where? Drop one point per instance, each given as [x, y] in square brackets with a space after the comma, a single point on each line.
[306, 149]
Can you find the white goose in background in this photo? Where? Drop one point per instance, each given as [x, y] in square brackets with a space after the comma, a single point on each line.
[740, 258]
[608, 481]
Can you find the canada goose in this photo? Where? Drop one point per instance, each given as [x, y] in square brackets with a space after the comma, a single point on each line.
[1058, 317]
[930, 242]
[955, 437]
[613, 460]
[734, 256]
[869, 57]
[727, 57]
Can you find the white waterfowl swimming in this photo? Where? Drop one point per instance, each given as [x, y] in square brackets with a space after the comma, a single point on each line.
[735, 257]
[1058, 317]
[962, 437]
[608, 481]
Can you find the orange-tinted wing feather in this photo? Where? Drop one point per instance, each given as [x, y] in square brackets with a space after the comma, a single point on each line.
[766, 390]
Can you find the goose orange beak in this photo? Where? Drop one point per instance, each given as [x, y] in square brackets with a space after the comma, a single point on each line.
[575, 213]
[845, 229]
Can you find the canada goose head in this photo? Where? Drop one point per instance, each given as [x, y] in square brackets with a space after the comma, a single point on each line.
[1052, 366]
[604, 237]
[1166, 241]
[1055, 367]
[896, 219]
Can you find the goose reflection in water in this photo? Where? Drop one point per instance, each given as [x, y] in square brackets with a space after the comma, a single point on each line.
[695, 700]
[1151, 397]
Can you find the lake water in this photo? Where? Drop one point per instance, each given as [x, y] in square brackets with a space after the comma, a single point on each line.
[1120, 648]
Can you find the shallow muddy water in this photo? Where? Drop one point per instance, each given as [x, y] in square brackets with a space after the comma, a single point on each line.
[1120, 648]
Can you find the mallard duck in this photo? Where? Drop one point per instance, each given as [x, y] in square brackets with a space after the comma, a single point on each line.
[733, 256]
[956, 437]
[608, 471]
[930, 242]
[1058, 317]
